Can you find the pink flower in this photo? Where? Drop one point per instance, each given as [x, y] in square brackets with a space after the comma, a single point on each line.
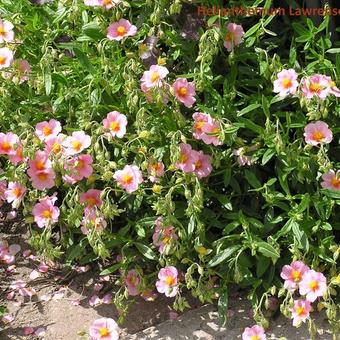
[155, 170]
[108, 4]
[300, 311]
[254, 333]
[77, 168]
[20, 72]
[116, 123]
[91, 198]
[104, 329]
[292, 274]
[331, 180]
[132, 282]
[199, 120]
[316, 85]
[242, 159]
[28, 330]
[6, 31]
[14, 193]
[45, 213]
[211, 133]
[48, 129]
[94, 220]
[121, 29]
[203, 166]
[286, 82]
[333, 89]
[184, 91]
[91, 2]
[167, 282]
[318, 133]
[154, 77]
[53, 144]
[9, 143]
[313, 285]
[187, 159]
[18, 156]
[129, 178]
[234, 36]
[7, 318]
[41, 172]
[6, 57]
[163, 236]
[76, 143]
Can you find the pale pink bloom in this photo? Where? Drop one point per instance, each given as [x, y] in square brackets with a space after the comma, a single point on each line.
[6, 31]
[129, 178]
[300, 311]
[200, 119]
[107, 299]
[20, 71]
[184, 91]
[6, 57]
[78, 168]
[203, 166]
[7, 318]
[163, 236]
[54, 145]
[91, 198]
[316, 85]
[45, 129]
[28, 330]
[242, 159]
[254, 333]
[98, 286]
[7, 253]
[18, 156]
[318, 133]
[9, 143]
[41, 172]
[211, 133]
[168, 282]
[104, 329]
[292, 274]
[94, 220]
[234, 36]
[76, 143]
[333, 89]
[331, 180]
[132, 282]
[154, 77]
[313, 285]
[121, 29]
[91, 2]
[116, 123]
[15, 193]
[95, 301]
[286, 82]
[155, 170]
[187, 159]
[45, 213]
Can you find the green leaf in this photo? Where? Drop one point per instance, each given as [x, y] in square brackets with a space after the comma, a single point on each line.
[333, 50]
[93, 31]
[247, 109]
[252, 179]
[146, 251]
[111, 269]
[222, 305]
[83, 59]
[47, 80]
[268, 250]
[223, 255]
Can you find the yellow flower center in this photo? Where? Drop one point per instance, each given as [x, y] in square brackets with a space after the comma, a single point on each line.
[42, 176]
[104, 331]
[6, 146]
[216, 130]
[154, 76]
[17, 192]
[314, 87]
[121, 30]
[170, 281]
[76, 145]
[183, 158]
[335, 182]
[300, 310]
[114, 126]
[199, 125]
[47, 131]
[313, 285]
[40, 165]
[318, 136]
[287, 83]
[229, 36]
[2, 30]
[47, 213]
[107, 2]
[91, 201]
[56, 148]
[80, 164]
[296, 275]
[332, 84]
[127, 179]
[2, 60]
[198, 164]
[255, 337]
[182, 91]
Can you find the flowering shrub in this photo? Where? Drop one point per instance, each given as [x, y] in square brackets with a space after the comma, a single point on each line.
[180, 151]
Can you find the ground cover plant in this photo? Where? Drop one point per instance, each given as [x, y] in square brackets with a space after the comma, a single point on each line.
[180, 151]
